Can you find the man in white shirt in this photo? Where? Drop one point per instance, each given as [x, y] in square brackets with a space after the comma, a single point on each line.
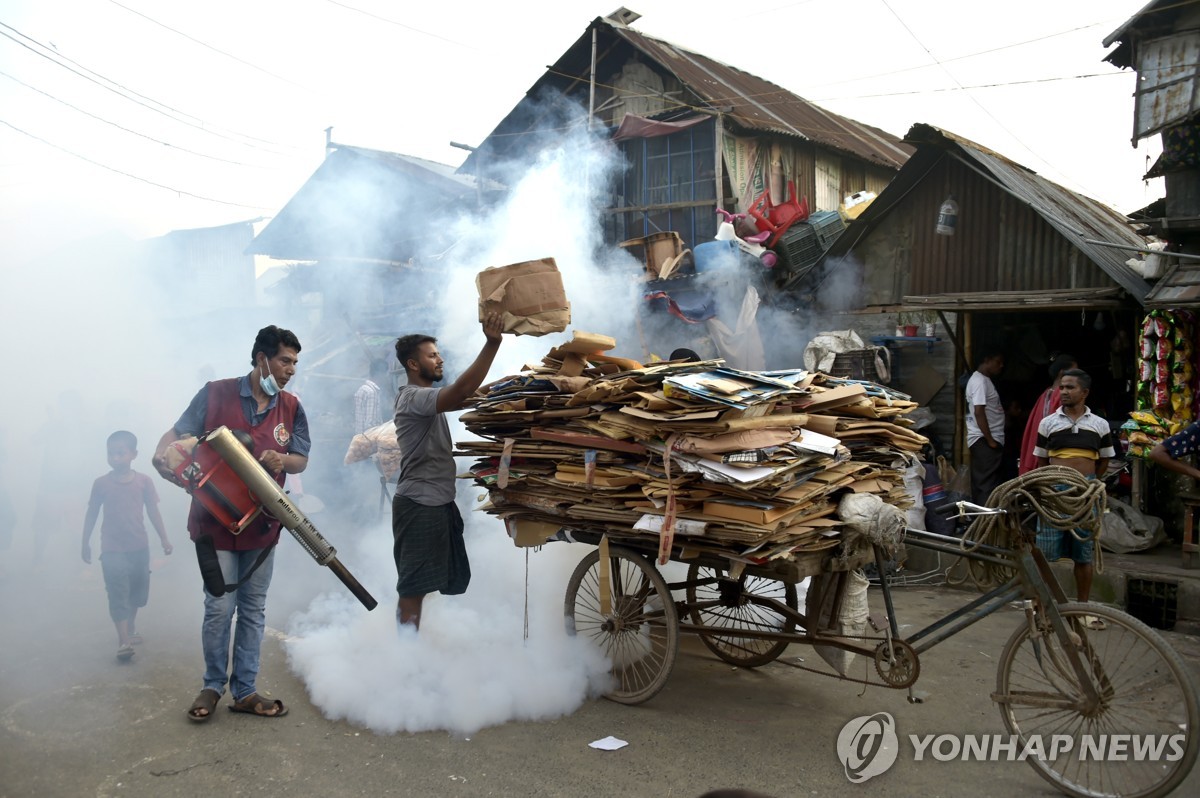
[985, 426]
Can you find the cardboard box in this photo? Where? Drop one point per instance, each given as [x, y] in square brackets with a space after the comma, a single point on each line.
[526, 532]
[530, 295]
[751, 512]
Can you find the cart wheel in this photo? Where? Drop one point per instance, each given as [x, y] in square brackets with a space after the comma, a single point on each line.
[1144, 691]
[640, 630]
[717, 602]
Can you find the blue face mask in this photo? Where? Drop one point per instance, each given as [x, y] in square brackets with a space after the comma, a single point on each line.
[268, 384]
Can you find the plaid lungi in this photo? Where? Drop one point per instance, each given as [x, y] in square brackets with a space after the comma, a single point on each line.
[429, 549]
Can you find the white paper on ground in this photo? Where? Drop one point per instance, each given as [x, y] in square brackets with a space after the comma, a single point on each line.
[609, 743]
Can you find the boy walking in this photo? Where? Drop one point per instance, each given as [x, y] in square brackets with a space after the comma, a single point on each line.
[126, 497]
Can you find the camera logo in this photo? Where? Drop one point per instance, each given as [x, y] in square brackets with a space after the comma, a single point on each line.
[868, 746]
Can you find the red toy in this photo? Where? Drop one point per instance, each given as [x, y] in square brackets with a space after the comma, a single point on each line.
[776, 219]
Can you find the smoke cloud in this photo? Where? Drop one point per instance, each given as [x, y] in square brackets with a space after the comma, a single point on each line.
[473, 665]
[100, 336]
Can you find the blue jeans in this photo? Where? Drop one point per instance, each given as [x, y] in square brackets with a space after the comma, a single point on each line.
[250, 601]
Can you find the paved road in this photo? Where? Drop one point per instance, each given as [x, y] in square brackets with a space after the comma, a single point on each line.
[75, 723]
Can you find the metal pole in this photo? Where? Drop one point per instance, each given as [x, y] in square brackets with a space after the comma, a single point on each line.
[1146, 250]
[478, 170]
[592, 84]
[719, 166]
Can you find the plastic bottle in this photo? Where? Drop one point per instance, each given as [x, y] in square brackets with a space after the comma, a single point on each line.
[947, 218]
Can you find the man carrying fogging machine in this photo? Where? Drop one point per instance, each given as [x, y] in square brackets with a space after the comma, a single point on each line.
[235, 542]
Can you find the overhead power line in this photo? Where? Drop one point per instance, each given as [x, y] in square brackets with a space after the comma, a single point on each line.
[56, 58]
[945, 61]
[397, 24]
[972, 97]
[960, 87]
[127, 130]
[207, 45]
[129, 175]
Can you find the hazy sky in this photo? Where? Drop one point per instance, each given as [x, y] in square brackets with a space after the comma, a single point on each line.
[230, 99]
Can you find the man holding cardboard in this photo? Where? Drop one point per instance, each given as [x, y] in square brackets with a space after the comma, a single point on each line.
[427, 529]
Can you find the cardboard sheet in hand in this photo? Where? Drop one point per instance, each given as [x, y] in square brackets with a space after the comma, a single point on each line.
[530, 296]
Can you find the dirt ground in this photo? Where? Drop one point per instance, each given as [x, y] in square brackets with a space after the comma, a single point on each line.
[74, 722]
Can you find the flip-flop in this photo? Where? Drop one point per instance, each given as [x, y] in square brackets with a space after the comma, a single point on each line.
[207, 700]
[125, 653]
[254, 704]
[1095, 624]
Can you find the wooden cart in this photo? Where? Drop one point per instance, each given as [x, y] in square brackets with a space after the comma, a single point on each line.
[617, 597]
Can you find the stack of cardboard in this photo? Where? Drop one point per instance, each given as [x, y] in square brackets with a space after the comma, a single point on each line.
[757, 460]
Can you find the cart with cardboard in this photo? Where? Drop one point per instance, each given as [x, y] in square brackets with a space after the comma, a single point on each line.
[746, 478]
[756, 481]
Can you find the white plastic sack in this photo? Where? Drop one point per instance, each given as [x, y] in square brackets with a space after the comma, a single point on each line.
[869, 517]
[914, 486]
[825, 346]
[852, 617]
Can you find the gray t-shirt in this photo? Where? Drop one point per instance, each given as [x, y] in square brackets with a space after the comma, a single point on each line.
[427, 469]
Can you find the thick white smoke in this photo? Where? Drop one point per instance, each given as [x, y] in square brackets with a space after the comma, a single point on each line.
[472, 664]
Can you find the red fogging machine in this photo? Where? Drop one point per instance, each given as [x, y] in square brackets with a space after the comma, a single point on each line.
[221, 473]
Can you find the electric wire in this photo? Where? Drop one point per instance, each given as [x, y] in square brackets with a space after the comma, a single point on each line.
[128, 174]
[209, 46]
[964, 57]
[394, 22]
[127, 130]
[972, 97]
[133, 96]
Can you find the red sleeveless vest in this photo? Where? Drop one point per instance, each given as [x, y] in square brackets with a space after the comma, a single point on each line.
[273, 432]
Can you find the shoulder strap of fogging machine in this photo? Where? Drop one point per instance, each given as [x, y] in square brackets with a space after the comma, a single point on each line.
[210, 567]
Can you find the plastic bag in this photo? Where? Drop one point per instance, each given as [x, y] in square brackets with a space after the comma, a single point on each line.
[1124, 529]
[852, 616]
[959, 485]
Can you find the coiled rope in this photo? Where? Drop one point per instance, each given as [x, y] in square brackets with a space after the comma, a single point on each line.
[1059, 496]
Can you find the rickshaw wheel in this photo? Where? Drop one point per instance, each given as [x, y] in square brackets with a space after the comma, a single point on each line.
[722, 604]
[638, 631]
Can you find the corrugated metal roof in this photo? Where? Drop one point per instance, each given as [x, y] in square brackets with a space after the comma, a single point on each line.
[1179, 287]
[759, 104]
[1157, 14]
[364, 204]
[747, 101]
[1084, 224]
[206, 261]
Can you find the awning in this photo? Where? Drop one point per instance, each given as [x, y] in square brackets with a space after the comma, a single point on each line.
[639, 127]
[1062, 299]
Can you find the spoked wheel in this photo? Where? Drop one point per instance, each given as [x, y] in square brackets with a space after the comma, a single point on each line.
[717, 602]
[633, 620]
[1144, 690]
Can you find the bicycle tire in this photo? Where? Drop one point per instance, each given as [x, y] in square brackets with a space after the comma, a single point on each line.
[639, 634]
[734, 609]
[1145, 691]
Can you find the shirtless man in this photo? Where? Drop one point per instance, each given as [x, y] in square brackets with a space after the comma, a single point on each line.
[1075, 437]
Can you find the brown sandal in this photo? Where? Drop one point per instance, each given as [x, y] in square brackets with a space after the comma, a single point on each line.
[257, 705]
[207, 700]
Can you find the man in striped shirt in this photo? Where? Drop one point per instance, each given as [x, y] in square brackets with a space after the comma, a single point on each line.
[1075, 437]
